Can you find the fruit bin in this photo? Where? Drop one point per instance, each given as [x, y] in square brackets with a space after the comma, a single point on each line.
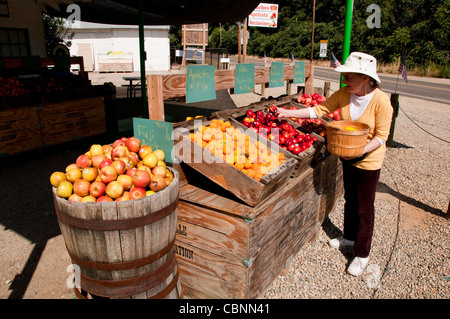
[303, 159]
[246, 188]
[227, 249]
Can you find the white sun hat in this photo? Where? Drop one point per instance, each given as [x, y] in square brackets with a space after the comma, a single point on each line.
[359, 62]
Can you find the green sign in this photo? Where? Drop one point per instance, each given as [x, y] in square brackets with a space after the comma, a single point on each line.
[200, 85]
[299, 72]
[156, 134]
[244, 78]
[276, 74]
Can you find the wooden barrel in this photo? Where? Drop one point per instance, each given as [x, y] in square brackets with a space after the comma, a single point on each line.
[346, 143]
[124, 249]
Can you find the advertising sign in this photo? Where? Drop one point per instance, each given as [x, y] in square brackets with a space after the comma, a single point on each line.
[264, 15]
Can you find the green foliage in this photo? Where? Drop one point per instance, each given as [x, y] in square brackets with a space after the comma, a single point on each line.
[417, 29]
[55, 32]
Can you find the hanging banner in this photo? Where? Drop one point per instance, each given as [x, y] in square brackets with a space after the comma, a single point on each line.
[264, 15]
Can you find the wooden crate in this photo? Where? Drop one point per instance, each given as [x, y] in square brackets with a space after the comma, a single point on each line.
[249, 190]
[303, 159]
[71, 120]
[227, 249]
[19, 130]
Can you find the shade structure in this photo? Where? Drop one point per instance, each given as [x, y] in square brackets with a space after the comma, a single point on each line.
[156, 12]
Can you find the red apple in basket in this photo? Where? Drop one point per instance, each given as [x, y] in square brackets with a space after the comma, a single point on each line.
[97, 159]
[83, 161]
[137, 192]
[74, 198]
[131, 171]
[157, 183]
[81, 187]
[141, 178]
[97, 189]
[133, 144]
[104, 198]
[159, 170]
[105, 162]
[134, 158]
[119, 166]
[118, 152]
[108, 174]
[119, 142]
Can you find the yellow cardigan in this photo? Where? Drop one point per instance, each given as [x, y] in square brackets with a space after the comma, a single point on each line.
[378, 115]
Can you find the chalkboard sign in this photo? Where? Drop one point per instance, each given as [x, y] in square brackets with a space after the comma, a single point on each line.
[276, 74]
[200, 84]
[244, 78]
[299, 72]
[156, 134]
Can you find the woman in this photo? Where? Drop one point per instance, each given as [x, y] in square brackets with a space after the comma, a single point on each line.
[359, 100]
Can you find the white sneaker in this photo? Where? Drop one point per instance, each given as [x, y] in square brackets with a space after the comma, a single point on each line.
[340, 243]
[357, 266]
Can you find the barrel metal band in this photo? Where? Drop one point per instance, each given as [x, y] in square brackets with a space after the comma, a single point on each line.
[122, 265]
[129, 286]
[116, 224]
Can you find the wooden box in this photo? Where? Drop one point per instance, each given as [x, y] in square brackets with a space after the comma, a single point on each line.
[303, 159]
[19, 130]
[71, 120]
[226, 249]
[249, 190]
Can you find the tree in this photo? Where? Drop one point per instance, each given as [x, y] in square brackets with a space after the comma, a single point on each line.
[55, 32]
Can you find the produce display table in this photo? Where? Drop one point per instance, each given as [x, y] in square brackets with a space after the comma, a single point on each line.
[228, 249]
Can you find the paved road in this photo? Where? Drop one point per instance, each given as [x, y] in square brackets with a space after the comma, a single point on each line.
[417, 88]
[424, 89]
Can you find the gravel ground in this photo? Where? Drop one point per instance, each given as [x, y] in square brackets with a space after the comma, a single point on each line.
[410, 252]
[411, 244]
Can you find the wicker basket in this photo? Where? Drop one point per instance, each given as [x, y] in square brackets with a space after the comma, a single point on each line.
[346, 143]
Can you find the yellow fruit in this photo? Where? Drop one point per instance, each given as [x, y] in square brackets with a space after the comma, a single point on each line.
[64, 189]
[349, 128]
[56, 178]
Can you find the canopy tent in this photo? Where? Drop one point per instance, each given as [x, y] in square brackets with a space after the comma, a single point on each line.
[154, 12]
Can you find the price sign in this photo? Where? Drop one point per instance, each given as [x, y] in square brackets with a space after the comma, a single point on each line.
[244, 78]
[276, 74]
[156, 134]
[299, 72]
[200, 85]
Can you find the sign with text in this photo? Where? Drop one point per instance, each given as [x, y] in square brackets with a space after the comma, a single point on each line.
[264, 15]
[200, 85]
[156, 134]
[323, 48]
[244, 78]
[299, 72]
[276, 75]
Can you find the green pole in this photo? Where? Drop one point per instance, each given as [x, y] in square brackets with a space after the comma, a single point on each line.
[143, 57]
[347, 32]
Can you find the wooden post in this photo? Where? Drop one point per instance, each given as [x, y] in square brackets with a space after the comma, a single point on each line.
[244, 38]
[309, 84]
[395, 105]
[239, 42]
[155, 97]
[326, 89]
